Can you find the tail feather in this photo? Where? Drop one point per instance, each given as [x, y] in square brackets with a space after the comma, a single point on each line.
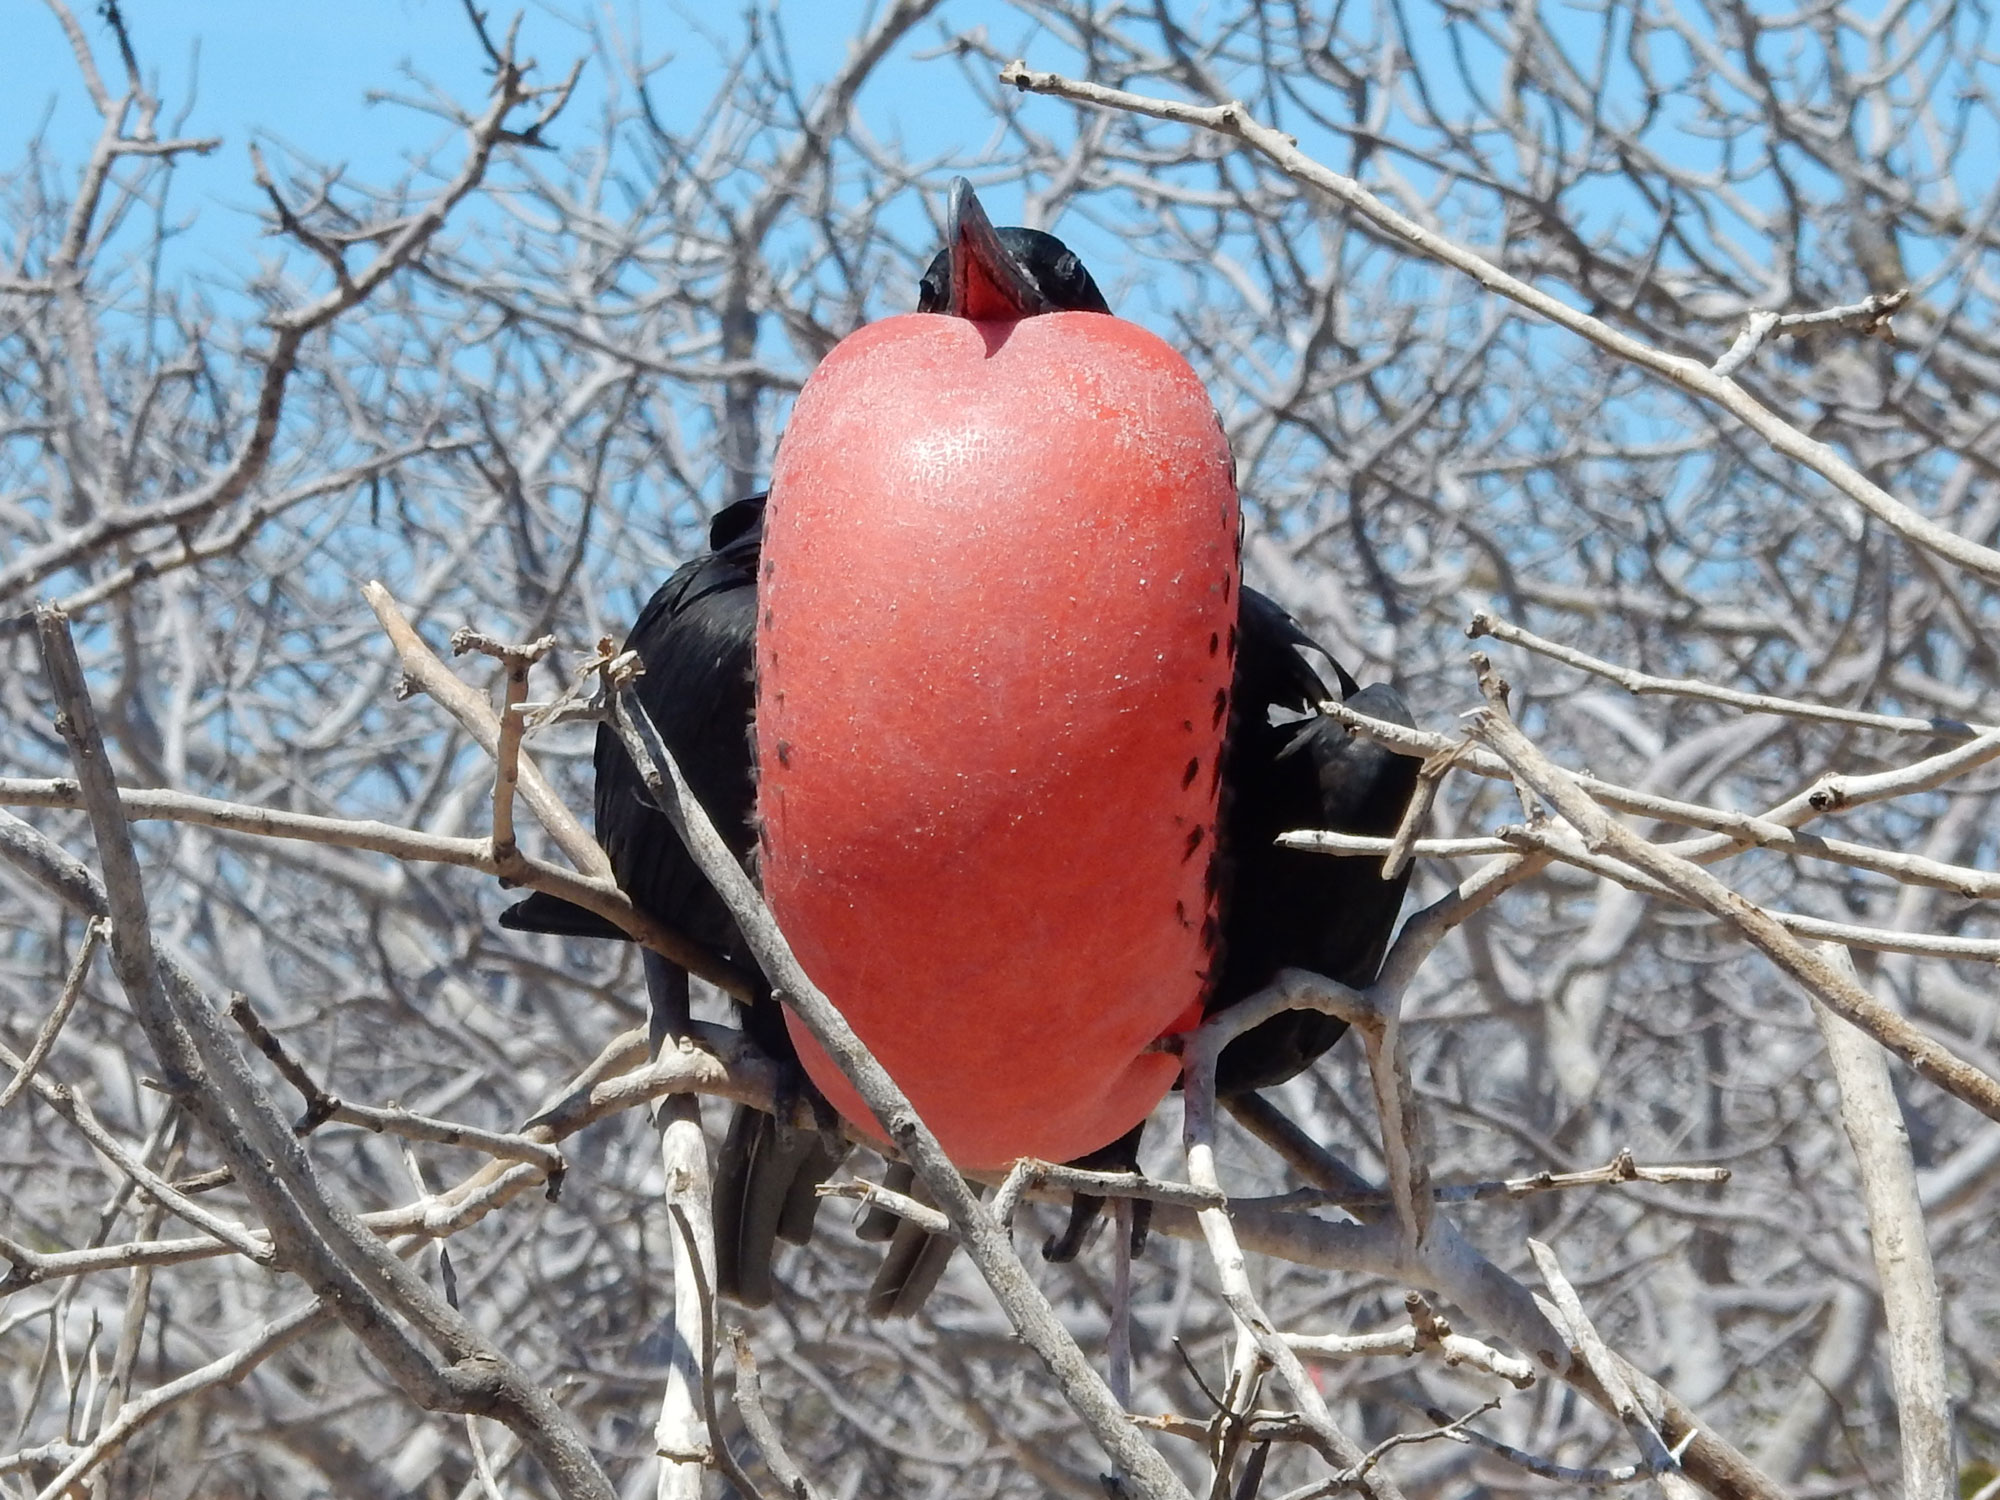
[766, 1176]
[878, 1226]
[802, 1200]
[910, 1271]
[732, 1187]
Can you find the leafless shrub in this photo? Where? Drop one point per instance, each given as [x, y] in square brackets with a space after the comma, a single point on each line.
[1654, 343]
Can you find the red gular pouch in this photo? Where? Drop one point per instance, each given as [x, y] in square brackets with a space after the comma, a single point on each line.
[994, 645]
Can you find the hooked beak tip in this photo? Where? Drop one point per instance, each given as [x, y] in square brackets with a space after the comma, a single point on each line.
[987, 283]
[962, 208]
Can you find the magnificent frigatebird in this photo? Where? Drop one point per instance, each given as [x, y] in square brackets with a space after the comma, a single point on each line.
[1279, 766]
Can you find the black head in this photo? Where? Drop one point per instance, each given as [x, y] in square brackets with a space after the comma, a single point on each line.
[1002, 275]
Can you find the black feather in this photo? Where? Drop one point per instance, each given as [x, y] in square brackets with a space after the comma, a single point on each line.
[1292, 908]
[695, 639]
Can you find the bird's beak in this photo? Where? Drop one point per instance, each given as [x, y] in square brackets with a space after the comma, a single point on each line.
[987, 284]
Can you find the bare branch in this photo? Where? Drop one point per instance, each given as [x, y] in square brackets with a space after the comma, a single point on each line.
[1660, 1462]
[1425, 1333]
[1845, 998]
[205, 1075]
[273, 1336]
[1483, 623]
[757, 1419]
[1874, 1123]
[94, 933]
[1868, 317]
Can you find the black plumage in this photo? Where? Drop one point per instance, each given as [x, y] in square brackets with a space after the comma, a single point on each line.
[695, 639]
[1286, 767]
[1283, 767]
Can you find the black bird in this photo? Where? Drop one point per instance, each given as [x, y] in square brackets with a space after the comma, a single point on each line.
[1284, 767]
[694, 638]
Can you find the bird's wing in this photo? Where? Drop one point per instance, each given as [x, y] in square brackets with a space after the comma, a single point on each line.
[694, 639]
[1290, 908]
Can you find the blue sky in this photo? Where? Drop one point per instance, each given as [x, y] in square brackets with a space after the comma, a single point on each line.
[303, 75]
[299, 74]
